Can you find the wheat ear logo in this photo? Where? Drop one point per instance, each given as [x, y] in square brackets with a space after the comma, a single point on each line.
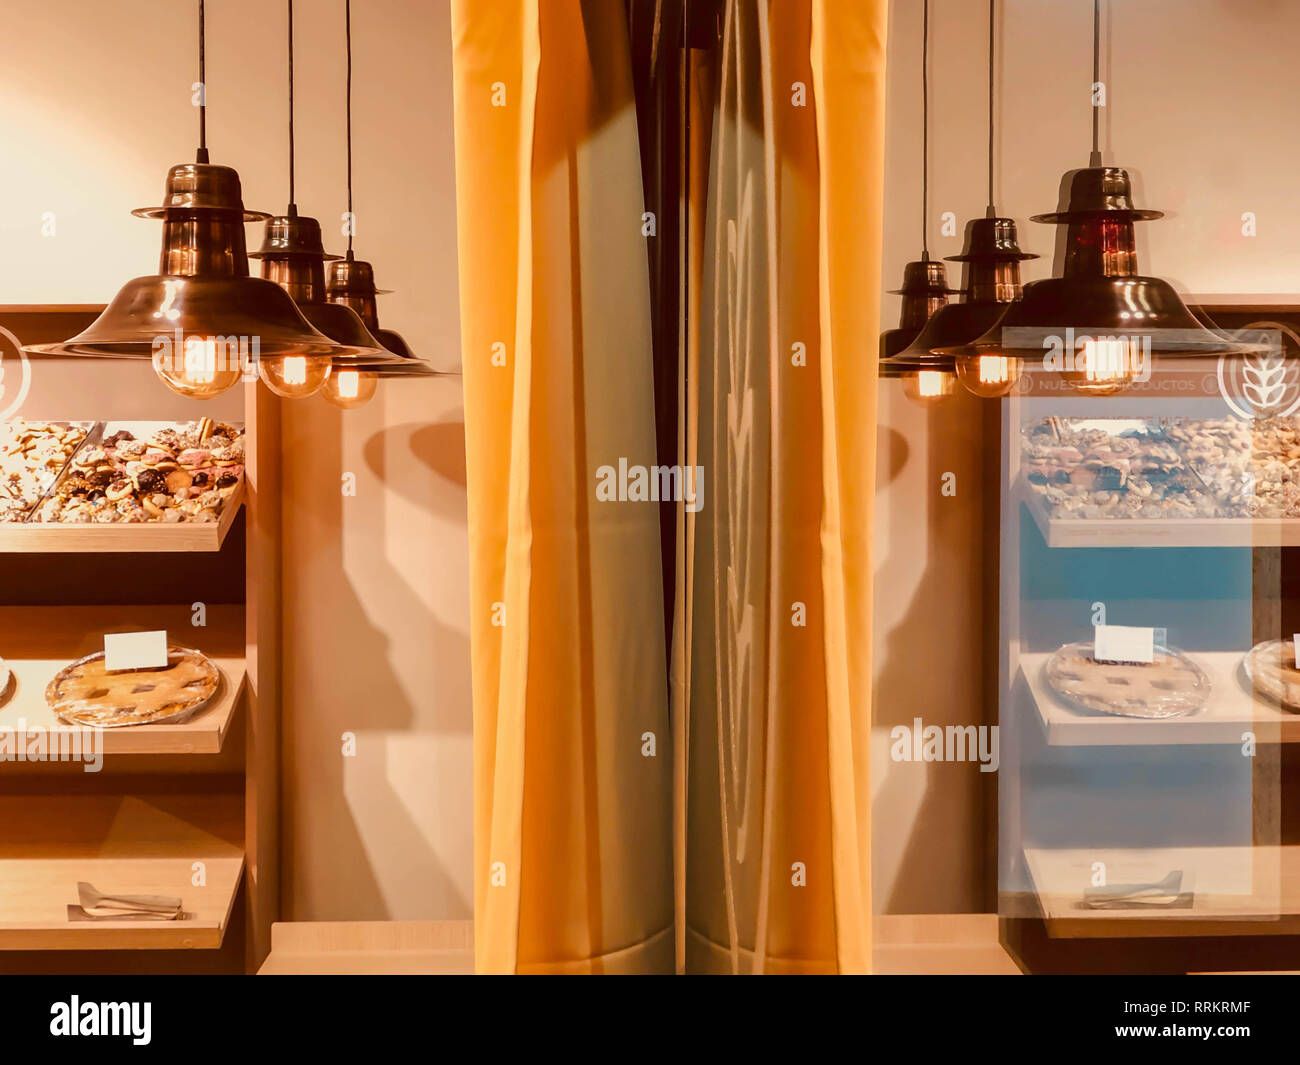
[1266, 384]
[15, 374]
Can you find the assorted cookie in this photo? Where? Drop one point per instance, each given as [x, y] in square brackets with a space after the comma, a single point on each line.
[153, 473]
[32, 454]
[85, 693]
[1169, 686]
[1096, 471]
[1170, 467]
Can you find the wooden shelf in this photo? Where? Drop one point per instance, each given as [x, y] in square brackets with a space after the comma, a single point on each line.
[130, 844]
[44, 537]
[1158, 532]
[370, 948]
[36, 642]
[939, 944]
[1237, 890]
[1231, 709]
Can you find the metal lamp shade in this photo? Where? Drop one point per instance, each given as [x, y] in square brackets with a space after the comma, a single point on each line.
[293, 260]
[1100, 293]
[925, 290]
[992, 259]
[351, 283]
[202, 287]
[394, 343]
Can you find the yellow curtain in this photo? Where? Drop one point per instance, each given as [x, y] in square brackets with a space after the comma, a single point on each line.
[772, 668]
[576, 769]
[572, 747]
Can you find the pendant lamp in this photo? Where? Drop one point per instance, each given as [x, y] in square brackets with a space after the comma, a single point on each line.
[351, 285]
[293, 257]
[925, 281]
[201, 318]
[1101, 322]
[992, 259]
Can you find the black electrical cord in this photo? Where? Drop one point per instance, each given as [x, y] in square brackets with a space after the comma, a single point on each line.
[293, 206]
[925, 133]
[347, 12]
[1095, 158]
[991, 211]
[203, 92]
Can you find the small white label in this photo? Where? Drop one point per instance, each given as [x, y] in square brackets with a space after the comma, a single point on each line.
[135, 650]
[1295, 646]
[1123, 643]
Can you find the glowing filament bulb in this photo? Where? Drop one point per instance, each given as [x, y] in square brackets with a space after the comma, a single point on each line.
[295, 370]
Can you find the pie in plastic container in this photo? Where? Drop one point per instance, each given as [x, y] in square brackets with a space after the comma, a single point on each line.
[85, 693]
[1271, 667]
[1171, 685]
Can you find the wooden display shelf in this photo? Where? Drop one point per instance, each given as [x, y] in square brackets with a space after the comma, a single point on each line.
[1158, 532]
[1230, 710]
[1236, 890]
[46, 537]
[370, 948]
[939, 944]
[36, 642]
[130, 844]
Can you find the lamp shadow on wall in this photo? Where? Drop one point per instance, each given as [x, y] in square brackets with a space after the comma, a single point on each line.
[931, 551]
[365, 849]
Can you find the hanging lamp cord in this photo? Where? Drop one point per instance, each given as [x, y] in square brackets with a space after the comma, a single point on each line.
[990, 211]
[347, 14]
[203, 91]
[1095, 158]
[925, 133]
[293, 205]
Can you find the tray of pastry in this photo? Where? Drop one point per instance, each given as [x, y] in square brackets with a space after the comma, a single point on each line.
[139, 486]
[1163, 481]
[32, 456]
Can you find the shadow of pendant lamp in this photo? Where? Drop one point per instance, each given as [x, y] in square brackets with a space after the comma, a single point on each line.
[351, 284]
[925, 281]
[202, 300]
[1100, 324]
[992, 259]
[293, 257]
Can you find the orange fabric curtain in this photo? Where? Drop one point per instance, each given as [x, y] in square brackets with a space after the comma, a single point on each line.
[573, 791]
[774, 694]
[577, 771]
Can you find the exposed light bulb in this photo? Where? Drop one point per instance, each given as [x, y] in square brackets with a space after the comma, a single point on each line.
[989, 376]
[347, 389]
[1103, 365]
[928, 387]
[294, 376]
[204, 369]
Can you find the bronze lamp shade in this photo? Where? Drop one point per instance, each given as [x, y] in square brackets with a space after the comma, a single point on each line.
[1100, 294]
[351, 283]
[202, 288]
[992, 259]
[925, 290]
[293, 257]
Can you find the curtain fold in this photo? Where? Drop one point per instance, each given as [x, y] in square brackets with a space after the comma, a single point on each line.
[572, 792]
[736, 840]
[775, 700]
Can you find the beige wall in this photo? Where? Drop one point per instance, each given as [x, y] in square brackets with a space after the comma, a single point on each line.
[94, 107]
[1201, 110]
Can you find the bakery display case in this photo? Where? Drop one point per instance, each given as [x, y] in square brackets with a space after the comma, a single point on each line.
[126, 509]
[1147, 677]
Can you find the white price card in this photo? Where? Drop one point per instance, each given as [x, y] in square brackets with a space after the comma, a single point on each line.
[135, 650]
[1123, 643]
